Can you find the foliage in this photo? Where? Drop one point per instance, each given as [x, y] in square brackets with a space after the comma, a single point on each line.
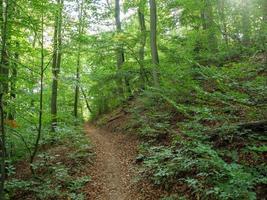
[211, 78]
[201, 133]
[56, 176]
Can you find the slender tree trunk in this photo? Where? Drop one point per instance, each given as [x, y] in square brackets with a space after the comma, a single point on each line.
[2, 150]
[3, 91]
[4, 53]
[40, 117]
[223, 21]
[264, 30]
[153, 41]
[55, 74]
[86, 100]
[245, 22]
[142, 24]
[33, 60]
[120, 50]
[76, 96]
[210, 26]
[13, 66]
[56, 64]
[80, 31]
[11, 115]
[203, 19]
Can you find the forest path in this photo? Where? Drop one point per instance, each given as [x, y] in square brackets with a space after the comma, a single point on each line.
[113, 170]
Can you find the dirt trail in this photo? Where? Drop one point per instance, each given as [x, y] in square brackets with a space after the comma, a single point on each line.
[113, 171]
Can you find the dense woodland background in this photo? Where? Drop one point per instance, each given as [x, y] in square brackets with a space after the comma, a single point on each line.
[187, 76]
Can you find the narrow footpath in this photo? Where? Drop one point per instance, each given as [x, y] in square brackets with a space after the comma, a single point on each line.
[113, 172]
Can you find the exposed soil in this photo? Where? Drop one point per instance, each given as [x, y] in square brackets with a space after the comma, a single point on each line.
[114, 172]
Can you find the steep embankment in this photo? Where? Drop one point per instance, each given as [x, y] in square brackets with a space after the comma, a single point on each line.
[196, 150]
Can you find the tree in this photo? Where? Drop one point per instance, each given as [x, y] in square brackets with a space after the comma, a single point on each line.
[221, 9]
[14, 80]
[209, 25]
[56, 62]
[153, 41]
[40, 114]
[3, 90]
[80, 32]
[264, 30]
[245, 22]
[142, 25]
[120, 50]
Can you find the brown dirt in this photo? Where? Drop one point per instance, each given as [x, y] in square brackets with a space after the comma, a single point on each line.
[114, 172]
[113, 169]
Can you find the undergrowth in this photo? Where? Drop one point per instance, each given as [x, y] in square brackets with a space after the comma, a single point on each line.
[194, 142]
[59, 168]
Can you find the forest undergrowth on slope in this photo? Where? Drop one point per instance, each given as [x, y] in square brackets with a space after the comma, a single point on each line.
[207, 141]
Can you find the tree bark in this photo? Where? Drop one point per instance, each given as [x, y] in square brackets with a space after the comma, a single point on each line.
[56, 64]
[40, 117]
[210, 26]
[245, 22]
[223, 21]
[32, 60]
[142, 25]
[153, 41]
[264, 31]
[3, 149]
[3, 91]
[86, 100]
[4, 53]
[120, 53]
[11, 114]
[76, 96]
[80, 31]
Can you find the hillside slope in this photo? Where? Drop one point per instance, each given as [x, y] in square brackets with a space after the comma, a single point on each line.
[210, 144]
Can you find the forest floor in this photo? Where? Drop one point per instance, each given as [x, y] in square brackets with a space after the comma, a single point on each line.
[114, 174]
[113, 170]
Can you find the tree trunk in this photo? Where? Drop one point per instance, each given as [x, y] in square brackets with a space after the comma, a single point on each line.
[120, 53]
[264, 31]
[223, 21]
[153, 41]
[32, 73]
[86, 100]
[76, 96]
[80, 31]
[210, 26]
[11, 114]
[4, 53]
[3, 91]
[142, 24]
[40, 117]
[2, 145]
[56, 64]
[245, 22]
